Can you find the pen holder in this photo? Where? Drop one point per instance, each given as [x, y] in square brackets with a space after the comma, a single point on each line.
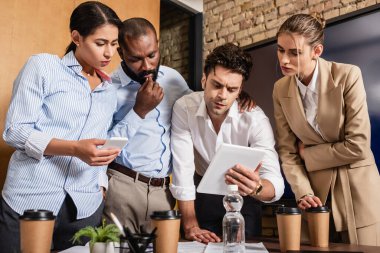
[136, 243]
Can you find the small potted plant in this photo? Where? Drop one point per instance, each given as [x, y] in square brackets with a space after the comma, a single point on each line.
[101, 238]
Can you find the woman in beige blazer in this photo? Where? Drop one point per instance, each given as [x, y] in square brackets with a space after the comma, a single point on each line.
[323, 132]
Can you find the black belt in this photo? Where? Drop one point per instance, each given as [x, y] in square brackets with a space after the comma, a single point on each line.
[131, 173]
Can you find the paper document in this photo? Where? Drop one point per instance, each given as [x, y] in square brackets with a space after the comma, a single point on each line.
[226, 157]
[249, 248]
[191, 247]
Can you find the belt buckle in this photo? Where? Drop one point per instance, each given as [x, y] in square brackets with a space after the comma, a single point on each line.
[162, 183]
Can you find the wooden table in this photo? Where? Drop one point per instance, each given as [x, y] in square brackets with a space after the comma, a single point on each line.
[273, 245]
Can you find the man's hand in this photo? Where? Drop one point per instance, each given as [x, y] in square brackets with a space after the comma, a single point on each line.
[148, 97]
[247, 180]
[201, 235]
[87, 151]
[245, 102]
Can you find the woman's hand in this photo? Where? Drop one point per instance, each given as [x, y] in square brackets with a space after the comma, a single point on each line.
[308, 201]
[87, 150]
[245, 102]
[301, 148]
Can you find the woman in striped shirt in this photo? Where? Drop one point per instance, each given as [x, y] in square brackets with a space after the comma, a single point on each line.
[60, 111]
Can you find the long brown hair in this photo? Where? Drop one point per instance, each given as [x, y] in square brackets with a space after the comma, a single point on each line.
[308, 26]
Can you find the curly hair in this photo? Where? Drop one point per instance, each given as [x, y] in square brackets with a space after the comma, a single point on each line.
[231, 57]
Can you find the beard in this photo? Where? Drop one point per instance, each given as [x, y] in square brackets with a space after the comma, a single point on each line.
[140, 77]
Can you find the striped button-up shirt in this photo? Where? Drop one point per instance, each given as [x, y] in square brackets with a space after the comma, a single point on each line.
[148, 147]
[52, 99]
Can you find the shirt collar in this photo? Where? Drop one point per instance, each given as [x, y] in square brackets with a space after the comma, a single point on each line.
[313, 85]
[126, 80]
[233, 112]
[71, 61]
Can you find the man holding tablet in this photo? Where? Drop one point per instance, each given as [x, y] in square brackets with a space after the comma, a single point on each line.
[201, 122]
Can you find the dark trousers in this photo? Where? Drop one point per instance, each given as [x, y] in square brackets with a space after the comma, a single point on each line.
[210, 211]
[66, 225]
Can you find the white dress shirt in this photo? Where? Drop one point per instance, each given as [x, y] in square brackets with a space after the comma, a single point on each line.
[309, 96]
[194, 142]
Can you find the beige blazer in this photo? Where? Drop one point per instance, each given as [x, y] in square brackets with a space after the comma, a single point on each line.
[340, 160]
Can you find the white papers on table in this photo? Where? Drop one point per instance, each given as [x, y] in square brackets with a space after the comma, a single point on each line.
[249, 248]
[191, 247]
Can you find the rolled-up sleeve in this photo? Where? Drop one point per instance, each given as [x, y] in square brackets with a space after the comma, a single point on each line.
[262, 137]
[24, 110]
[182, 186]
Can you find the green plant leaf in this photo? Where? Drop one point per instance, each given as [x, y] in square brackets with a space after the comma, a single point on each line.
[105, 233]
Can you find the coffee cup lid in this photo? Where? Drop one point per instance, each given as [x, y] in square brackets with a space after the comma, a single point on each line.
[36, 214]
[166, 215]
[318, 209]
[288, 210]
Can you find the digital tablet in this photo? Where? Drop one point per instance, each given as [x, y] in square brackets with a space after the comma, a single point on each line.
[226, 157]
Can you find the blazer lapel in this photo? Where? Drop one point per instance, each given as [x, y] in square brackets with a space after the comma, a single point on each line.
[293, 108]
[329, 103]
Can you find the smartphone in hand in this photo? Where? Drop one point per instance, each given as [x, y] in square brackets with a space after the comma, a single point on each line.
[115, 142]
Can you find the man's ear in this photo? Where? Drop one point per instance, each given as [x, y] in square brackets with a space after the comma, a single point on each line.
[75, 37]
[203, 81]
[317, 51]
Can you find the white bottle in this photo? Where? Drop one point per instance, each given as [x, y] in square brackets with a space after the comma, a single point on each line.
[233, 222]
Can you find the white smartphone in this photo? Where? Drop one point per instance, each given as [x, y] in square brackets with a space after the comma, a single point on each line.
[115, 142]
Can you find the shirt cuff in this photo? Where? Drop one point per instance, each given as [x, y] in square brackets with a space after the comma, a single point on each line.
[103, 178]
[182, 193]
[36, 144]
[278, 185]
[132, 119]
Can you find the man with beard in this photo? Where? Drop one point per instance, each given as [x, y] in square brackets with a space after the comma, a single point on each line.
[139, 176]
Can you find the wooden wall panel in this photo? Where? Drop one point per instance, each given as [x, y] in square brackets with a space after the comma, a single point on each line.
[42, 26]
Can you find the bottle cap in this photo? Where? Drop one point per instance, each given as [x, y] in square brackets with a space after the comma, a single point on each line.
[232, 188]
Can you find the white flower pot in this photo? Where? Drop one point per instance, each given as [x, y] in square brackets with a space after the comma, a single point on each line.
[103, 247]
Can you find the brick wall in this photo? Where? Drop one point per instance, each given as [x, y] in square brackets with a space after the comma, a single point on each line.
[251, 21]
[174, 40]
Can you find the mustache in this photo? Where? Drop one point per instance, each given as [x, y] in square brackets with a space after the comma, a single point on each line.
[147, 72]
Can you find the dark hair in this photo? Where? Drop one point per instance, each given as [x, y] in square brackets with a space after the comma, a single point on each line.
[308, 26]
[134, 28]
[90, 15]
[231, 57]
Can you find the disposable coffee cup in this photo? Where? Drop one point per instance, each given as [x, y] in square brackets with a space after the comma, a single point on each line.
[318, 219]
[167, 224]
[289, 228]
[36, 231]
